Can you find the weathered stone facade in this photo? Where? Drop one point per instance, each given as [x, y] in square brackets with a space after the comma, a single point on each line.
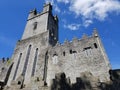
[5, 69]
[41, 32]
[38, 56]
[73, 58]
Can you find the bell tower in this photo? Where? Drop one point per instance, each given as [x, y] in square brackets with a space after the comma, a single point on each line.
[41, 31]
[38, 23]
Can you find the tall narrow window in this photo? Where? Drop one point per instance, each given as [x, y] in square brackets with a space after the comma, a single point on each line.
[34, 63]
[35, 25]
[19, 58]
[26, 61]
[45, 67]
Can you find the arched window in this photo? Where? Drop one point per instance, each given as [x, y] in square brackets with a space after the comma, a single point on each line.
[19, 58]
[55, 58]
[34, 63]
[26, 60]
[45, 67]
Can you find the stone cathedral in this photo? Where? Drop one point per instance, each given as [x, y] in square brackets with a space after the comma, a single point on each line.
[40, 62]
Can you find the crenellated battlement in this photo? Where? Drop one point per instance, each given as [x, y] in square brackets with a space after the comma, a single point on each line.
[76, 46]
[47, 9]
[76, 41]
[4, 61]
[86, 47]
[41, 22]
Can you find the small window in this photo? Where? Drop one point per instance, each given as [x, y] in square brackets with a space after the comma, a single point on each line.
[38, 79]
[35, 25]
[45, 84]
[55, 55]
[74, 51]
[87, 48]
[3, 69]
[64, 53]
[70, 51]
[19, 82]
[95, 45]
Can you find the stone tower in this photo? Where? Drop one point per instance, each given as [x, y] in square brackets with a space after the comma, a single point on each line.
[41, 31]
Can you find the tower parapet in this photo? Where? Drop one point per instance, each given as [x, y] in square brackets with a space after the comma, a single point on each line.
[39, 23]
[47, 8]
[75, 40]
[32, 13]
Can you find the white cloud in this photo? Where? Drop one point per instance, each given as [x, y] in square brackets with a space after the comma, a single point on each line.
[55, 6]
[51, 1]
[72, 26]
[89, 9]
[94, 9]
[87, 23]
[64, 1]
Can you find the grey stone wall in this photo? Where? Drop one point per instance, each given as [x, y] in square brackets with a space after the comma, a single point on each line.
[37, 35]
[5, 69]
[41, 21]
[73, 58]
[38, 23]
[41, 42]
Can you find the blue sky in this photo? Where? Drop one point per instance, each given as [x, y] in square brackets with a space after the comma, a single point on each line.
[76, 17]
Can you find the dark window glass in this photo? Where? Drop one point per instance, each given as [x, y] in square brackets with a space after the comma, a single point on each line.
[26, 61]
[74, 51]
[95, 45]
[19, 82]
[35, 25]
[70, 51]
[17, 66]
[64, 53]
[34, 63]
[87, 48]
[45, 67]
